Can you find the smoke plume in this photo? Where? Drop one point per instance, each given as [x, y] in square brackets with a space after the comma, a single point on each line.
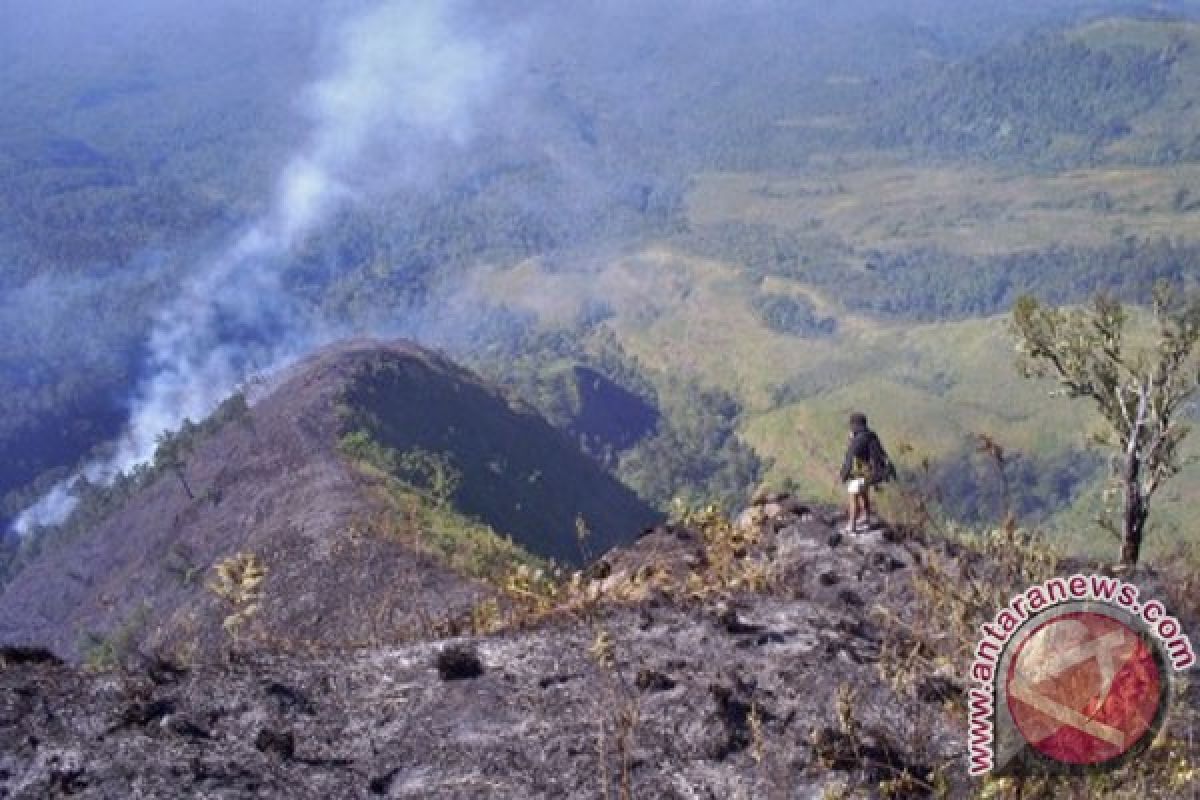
[404, 85]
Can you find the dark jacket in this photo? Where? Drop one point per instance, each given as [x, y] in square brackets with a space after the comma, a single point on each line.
[865, 457]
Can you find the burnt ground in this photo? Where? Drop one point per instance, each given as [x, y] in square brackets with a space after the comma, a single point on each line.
[274, 484]
[284, 494]
[754, 694]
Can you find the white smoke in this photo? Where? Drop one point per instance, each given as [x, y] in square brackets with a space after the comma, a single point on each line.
[403, 84]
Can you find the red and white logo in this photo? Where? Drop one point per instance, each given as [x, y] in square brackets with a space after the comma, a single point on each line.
[1075, 671]
[1084, 688]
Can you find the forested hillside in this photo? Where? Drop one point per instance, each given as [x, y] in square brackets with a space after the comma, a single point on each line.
[1049, 99]
[1109, 91]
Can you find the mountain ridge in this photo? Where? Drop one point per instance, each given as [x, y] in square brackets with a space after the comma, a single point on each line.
[771, 657]
[275, 484]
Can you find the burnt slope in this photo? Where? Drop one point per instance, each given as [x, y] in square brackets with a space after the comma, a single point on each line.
[543, 718]
[275, 485]
[836, 675]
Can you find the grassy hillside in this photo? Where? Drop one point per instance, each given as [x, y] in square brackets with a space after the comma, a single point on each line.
[928, 388]
[967, 210]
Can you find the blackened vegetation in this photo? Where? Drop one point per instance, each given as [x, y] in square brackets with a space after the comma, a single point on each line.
[460, 661]
[807, 696]
[716, 704]
[290, 699]
[281, 744]
[877, 754]
[17, 654]
[651, 680]
[734, 709]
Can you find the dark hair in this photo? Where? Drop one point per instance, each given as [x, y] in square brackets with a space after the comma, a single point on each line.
[858, 421]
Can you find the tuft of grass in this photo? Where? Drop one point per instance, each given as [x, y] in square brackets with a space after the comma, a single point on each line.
[238, 582]
[726, 566]
[617, 717]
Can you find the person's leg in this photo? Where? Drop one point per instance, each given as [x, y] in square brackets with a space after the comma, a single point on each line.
[858, 510]
[866, 501]
[852, 512]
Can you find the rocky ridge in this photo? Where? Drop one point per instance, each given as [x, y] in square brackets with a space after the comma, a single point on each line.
[771, 657]
[740, 692]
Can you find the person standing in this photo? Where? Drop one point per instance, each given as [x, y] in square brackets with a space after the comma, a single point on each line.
[866, 465]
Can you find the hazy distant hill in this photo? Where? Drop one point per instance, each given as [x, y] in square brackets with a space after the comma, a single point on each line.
[350, 550]
[1113, 90]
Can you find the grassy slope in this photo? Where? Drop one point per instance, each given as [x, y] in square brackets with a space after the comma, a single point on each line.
[930, 386]
[969, 210]
[465, 545]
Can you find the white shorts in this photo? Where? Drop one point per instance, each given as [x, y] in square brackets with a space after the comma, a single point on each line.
[856, 486]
